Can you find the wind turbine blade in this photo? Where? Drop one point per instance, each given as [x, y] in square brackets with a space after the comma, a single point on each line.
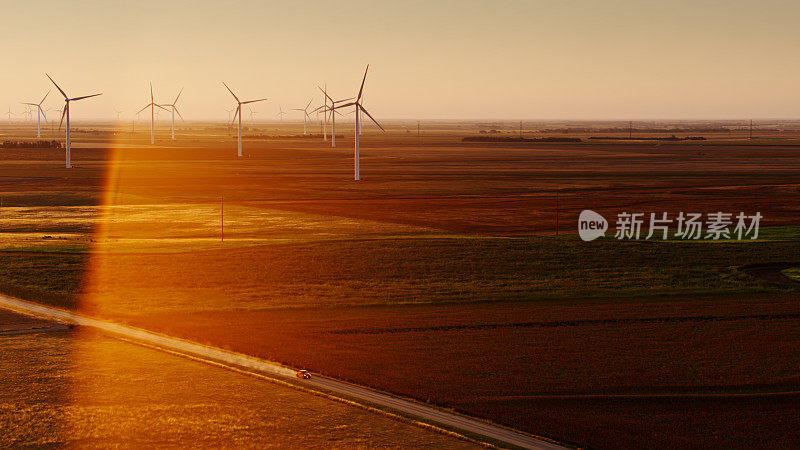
[59, 89]
[151, 92]
[85, 96]
[309, 104]
[373, 119]
[229, 90]
[32, 104]
[179, 113]
[63, 111]
[179, 96]
[344, 100]
[238, 111]
[45, 96]
[43, 113]
[360, 91]
[325, 93]
[253, 101]
[165, 109]
[345, 105]
[140, 111]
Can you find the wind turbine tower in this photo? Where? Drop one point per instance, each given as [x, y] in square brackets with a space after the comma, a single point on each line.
[305, 114]
[39, 114]
[152, 105]
[65, 112]
[239, 104]
[333, 112]
[359, 108]
[174, 109]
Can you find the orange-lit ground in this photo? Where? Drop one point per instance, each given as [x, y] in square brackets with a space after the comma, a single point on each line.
[81, 389]
[437, 222]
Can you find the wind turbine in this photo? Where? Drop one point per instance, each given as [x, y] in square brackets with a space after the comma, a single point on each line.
[333, 113]
[118, 113]
[305, 114]
[9, 114]
[39, 113]
[359, 108]
[239, 104]
[65, 112]
[27, 113]
[174, 110]
[252, 113]
[52, 124]
[152, 105]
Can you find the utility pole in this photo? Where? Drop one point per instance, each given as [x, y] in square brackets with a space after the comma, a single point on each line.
[751, 130]
[520, 129]
[222, 219]
[630, 129]
[418, 129]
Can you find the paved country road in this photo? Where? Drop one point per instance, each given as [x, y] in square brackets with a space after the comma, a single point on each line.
[424, 413]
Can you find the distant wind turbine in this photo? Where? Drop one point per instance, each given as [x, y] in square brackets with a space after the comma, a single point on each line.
[65, 112]
[305, 114]
[9, 113]
[280, 113]
[152, 105]
[359, 108]
[118, 113]
[27, 113]
[175, 110]
[332, 110]
[239, 104]
[39, 113]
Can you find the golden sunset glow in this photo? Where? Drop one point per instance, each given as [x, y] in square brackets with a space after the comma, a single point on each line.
[511, 59]
[537, 224]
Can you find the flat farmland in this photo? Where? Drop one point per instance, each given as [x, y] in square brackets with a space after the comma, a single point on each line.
[598, 372]
[438, 276]
[80, 389]
[440, 183]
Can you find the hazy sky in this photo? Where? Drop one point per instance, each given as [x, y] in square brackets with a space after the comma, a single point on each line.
[534, 59]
